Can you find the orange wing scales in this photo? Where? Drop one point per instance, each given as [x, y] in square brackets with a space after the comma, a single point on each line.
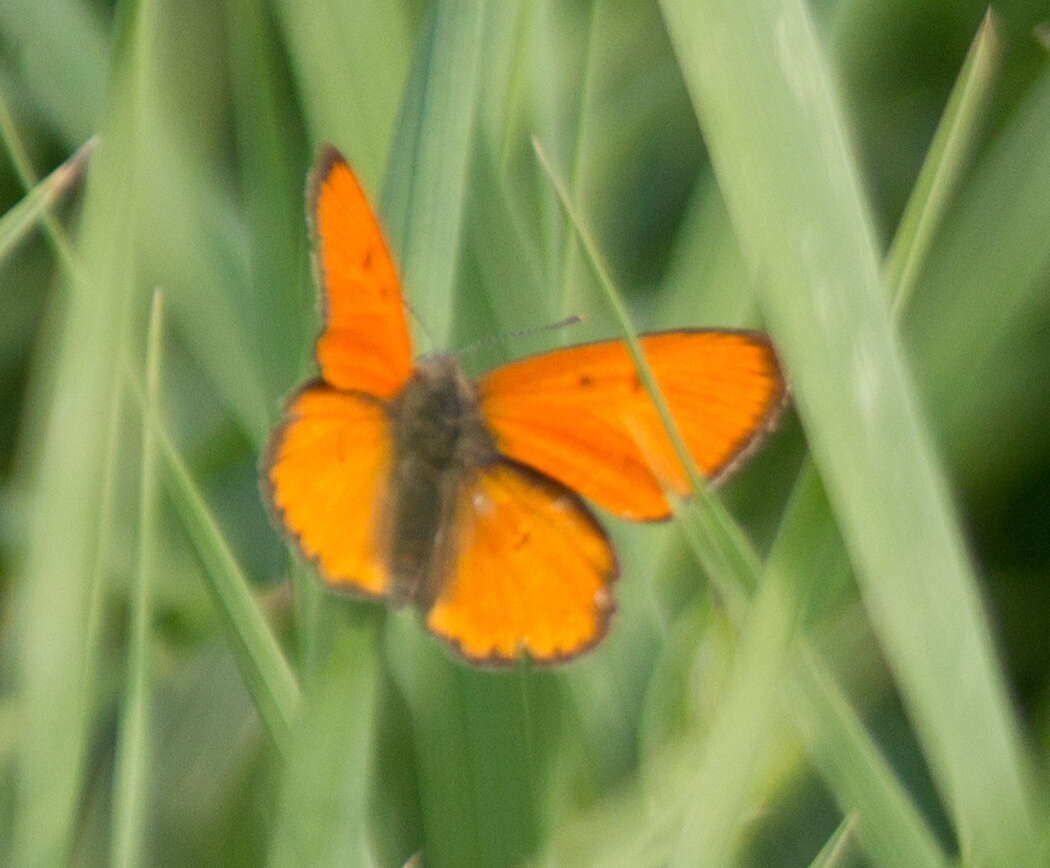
[529, 570]
[365, 344]
[582, 416]
[327, 469]
[533, 573]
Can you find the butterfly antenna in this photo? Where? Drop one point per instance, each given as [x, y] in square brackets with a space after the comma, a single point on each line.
[420, 322]
[522, 333]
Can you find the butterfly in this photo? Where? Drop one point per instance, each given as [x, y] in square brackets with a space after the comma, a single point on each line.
[405, 480]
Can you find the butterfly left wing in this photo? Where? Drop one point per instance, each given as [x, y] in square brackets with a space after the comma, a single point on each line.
[365, 343]
[582, 416]
[532, 574]
[325, 475]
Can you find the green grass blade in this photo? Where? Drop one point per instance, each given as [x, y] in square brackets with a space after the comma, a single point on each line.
[74, 166]
[281, 326]
[268, 147]
[558, 57]
[740, 734]
[797, 568]
[989, 262]
[808, 559]
[724, 550]
[478, 763]
[807, 545]
[131, 777]
[511, 280]
[60, 596]
[322, 818]
[20, 219]
[426, 191]
[947, 159]
[837, 848]
[923, 215]
[266, 671]
[889, 828]
[433, 690]
[350, 61]
[766, 103]
[61, 59]
[570, 287]
[59, 586]
[806, 527]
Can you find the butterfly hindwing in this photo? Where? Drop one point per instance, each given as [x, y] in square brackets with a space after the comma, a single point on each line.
[326, 472]
[532, 574]
[582, 416]
[365, 344]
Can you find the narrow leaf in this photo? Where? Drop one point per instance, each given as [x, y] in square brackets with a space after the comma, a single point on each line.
[771, 120]
[131, 778]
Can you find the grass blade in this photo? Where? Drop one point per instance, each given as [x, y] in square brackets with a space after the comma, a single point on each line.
[889, 828]
[328, 775]
[758, 80]
[719, 795]
[62, 58]
[350, 61]
[832, 853]
[59, 586]
[268, 147]
[266, 671]
[131, 785]
[426, 190]
[807, 545]
[947, 159]
[20, 219]
[985, 269]
[807, 557]
[944, 164]
[724, 550]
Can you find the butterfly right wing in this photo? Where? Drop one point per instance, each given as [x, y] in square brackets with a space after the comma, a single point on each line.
[364, 345]
[325, 476]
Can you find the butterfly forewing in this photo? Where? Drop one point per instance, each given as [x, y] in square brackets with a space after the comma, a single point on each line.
[365, 343]
[582, 415]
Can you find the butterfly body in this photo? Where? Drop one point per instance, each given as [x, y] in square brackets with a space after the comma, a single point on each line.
[440, 445]
[406, 481]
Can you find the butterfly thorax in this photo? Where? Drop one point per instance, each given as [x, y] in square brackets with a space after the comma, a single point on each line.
[440, 441]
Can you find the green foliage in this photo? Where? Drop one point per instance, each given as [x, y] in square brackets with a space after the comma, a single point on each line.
[840, 658]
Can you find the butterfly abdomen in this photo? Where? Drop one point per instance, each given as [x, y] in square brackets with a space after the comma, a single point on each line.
[440, 441]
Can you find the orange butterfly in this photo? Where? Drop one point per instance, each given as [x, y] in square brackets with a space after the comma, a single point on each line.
[404, 479]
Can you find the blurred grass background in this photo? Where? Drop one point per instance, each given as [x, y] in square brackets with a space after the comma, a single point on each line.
[175, 688]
